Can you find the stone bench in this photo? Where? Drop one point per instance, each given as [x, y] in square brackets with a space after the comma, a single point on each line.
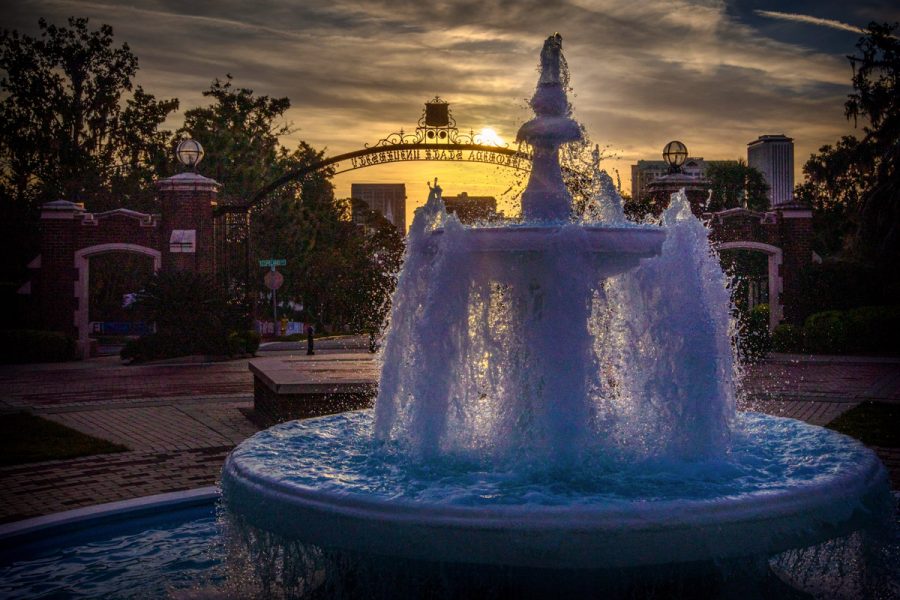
[299, 387]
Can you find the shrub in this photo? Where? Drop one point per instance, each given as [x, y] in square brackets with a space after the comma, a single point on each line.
[753, 338]
[836, 285]
[155, 346]
[874, 329]
[31, 346]
[193, 315]
[787, 338]
[868, 329]
[826, 332]
[250, 341]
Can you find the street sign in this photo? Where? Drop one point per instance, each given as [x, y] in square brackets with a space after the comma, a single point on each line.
[273, 262]
[273, 280]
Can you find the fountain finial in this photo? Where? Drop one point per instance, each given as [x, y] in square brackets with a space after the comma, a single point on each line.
[551, 54]
[546, 197]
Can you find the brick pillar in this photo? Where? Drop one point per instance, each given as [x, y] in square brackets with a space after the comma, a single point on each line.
[796, 232]
[55, 289]
[187, 239]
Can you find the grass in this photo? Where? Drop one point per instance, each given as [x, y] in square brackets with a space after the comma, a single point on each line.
[872, 423]
[25, 438]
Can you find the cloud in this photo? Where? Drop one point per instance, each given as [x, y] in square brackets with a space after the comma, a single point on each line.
[355, 70]
[809, 20]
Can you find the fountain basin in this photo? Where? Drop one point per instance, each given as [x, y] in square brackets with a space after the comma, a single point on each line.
[783, 485]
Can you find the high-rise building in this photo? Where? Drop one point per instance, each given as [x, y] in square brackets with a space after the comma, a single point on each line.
[773, 156]
[387, 198]
[472, 209]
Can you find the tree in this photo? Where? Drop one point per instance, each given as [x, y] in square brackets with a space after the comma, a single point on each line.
[72, 126]
[853, 185]
[837, 179]
[876, 97]
[736, 184]
[342, 273]
[68, 128]
[240, 135]
[193, 314]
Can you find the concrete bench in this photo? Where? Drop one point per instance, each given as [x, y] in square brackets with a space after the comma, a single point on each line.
[299, 387]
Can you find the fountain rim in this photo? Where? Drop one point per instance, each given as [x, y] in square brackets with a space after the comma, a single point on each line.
[609, 532]
[485, 514]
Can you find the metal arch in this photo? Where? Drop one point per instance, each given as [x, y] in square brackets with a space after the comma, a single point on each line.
[397, 152]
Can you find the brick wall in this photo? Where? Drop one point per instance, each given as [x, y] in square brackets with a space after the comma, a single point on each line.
[789, 228]
[186, 201]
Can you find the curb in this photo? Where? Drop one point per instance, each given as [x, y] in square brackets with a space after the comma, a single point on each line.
[90, 516]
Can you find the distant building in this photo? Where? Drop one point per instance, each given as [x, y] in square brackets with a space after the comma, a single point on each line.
[647, 171]
[472, 209]
[773, 156]
[387, 198]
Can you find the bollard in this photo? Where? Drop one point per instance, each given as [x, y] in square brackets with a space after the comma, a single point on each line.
[309, 341]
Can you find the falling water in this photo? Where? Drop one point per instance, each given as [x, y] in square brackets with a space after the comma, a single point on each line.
[645, 363]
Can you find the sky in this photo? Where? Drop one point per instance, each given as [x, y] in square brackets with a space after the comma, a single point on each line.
[712, 74]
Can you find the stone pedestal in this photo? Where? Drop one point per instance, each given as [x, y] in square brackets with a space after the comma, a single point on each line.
[299, 387]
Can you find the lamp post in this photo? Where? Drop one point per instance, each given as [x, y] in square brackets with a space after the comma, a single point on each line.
[189, 153]
[675, 153]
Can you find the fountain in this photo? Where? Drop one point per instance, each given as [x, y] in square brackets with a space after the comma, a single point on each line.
[556, 405]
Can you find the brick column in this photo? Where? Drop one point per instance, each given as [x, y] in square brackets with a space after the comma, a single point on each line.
[796, 232]
[187, 238]
[56, 279]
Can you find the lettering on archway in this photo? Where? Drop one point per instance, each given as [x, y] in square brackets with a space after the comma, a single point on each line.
[456, 152]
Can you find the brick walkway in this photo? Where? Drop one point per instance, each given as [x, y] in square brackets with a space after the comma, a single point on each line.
[180, 421]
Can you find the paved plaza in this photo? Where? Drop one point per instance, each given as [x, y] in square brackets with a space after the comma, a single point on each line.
[180, 420]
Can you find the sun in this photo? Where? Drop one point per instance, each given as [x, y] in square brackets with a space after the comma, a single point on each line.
[489, 137]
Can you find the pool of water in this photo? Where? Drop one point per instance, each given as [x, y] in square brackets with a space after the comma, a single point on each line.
[154, 556]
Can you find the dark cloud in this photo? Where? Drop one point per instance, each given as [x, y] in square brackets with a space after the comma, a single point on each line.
[715, 75]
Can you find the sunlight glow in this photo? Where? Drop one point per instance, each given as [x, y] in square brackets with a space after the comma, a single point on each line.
[489, 137]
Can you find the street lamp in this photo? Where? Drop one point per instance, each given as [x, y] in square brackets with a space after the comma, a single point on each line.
[189, 153]
[675, 153]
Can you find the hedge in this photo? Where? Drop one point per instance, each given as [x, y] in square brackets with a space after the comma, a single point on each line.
[34, 346]
[868, 329]
[865, 330]
[162, 345]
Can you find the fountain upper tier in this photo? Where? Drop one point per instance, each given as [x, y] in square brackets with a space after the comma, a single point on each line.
[612, 250]
[546, 197]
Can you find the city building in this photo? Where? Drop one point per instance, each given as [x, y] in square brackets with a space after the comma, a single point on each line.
[773, 156]
[646, 171]
[654, 181]
[472, 209]
[387, 198]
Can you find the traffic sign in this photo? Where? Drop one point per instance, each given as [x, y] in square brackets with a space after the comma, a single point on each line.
[273, 262]
[273, 280]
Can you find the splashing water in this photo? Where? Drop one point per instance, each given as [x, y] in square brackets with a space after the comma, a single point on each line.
[533, 355]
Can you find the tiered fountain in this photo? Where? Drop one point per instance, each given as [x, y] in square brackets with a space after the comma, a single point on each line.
[556, 396]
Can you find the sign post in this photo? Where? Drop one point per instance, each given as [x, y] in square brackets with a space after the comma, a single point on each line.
[274, 280]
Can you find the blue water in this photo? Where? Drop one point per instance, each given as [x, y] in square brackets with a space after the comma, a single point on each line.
[149, 557]
[340, 454]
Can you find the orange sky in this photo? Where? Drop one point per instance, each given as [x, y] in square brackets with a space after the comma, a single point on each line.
[710, 73]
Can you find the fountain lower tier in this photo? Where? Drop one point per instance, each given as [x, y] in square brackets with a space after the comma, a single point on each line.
[784, 484]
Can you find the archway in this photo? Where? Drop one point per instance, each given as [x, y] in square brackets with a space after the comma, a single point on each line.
[775, 279]
[82, 284]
